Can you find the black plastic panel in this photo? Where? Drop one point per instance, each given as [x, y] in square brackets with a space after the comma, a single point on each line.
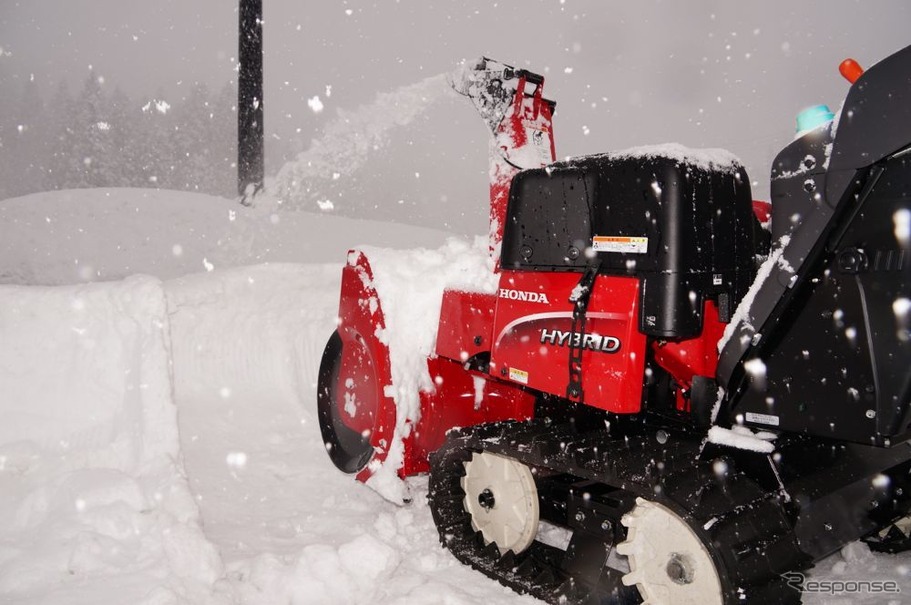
[548, 224]
[838, 364]
[815, 180]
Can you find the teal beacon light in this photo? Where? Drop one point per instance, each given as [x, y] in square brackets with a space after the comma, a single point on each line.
[813, 117]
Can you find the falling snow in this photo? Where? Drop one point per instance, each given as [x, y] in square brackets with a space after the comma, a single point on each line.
[110, 493]
[315, 104]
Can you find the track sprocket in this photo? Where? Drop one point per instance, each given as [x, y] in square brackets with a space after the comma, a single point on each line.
[668, 562]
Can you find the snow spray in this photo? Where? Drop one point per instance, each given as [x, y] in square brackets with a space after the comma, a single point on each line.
[349, 140]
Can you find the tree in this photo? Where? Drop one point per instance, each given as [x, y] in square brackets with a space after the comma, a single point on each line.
[120, 152]
[108, 140]
[22, 141]
[155, 158]
[59, 141]
[193, 137]
[87, 140]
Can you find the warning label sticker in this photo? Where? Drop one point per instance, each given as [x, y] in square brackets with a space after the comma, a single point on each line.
[620, 243]
[762, 418]
[541, 142]
[518, 375]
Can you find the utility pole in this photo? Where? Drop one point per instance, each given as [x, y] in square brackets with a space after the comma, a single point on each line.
[250, 166]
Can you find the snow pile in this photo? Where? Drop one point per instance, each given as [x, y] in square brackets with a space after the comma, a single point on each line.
[856, 563]
[85, 235]
[348, 141]
[95, 500]
[277, 332]
[410, 287]
[323, 574]
[390, 555]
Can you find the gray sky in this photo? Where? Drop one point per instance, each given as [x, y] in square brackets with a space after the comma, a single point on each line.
[704, 74]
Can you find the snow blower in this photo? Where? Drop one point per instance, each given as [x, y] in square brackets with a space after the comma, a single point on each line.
[701, 395]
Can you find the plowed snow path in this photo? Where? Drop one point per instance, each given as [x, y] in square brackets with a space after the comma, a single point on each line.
[291, 528]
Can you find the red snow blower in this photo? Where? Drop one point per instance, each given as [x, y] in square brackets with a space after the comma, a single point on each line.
[701, 404]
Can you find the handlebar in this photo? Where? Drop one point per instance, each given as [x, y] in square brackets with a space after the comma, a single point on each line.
[510, 72]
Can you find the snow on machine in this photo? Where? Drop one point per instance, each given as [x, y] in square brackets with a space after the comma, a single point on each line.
[660, 395]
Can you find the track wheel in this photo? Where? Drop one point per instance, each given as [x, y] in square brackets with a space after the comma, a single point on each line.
[502, 500]
[346, 403]
[668, 562]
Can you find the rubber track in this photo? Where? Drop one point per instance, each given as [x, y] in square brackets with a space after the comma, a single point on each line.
[745, 529]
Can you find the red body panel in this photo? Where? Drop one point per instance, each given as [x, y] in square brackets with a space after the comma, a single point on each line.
[763, 211]
[694, 357]
[526, 327]
[466, 323]
[365, 370]
[533, 325]
[459, 399]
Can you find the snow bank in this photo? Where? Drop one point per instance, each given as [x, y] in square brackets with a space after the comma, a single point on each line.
[277, 332]
[410, 287]
[83, 235]
[95, 501]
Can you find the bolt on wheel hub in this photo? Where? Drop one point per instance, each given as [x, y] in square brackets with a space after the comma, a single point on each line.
[680, 569]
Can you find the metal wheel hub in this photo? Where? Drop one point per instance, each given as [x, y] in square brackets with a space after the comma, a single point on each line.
[502, 500]
[668, 562]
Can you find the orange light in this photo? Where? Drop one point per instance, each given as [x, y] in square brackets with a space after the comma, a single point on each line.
[851, 70]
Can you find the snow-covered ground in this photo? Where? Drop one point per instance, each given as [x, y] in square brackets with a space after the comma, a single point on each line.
[159, 441]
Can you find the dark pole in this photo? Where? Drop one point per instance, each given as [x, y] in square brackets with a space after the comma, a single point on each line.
[250, 101]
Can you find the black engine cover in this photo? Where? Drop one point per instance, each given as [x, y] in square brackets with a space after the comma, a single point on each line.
[684, 227]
